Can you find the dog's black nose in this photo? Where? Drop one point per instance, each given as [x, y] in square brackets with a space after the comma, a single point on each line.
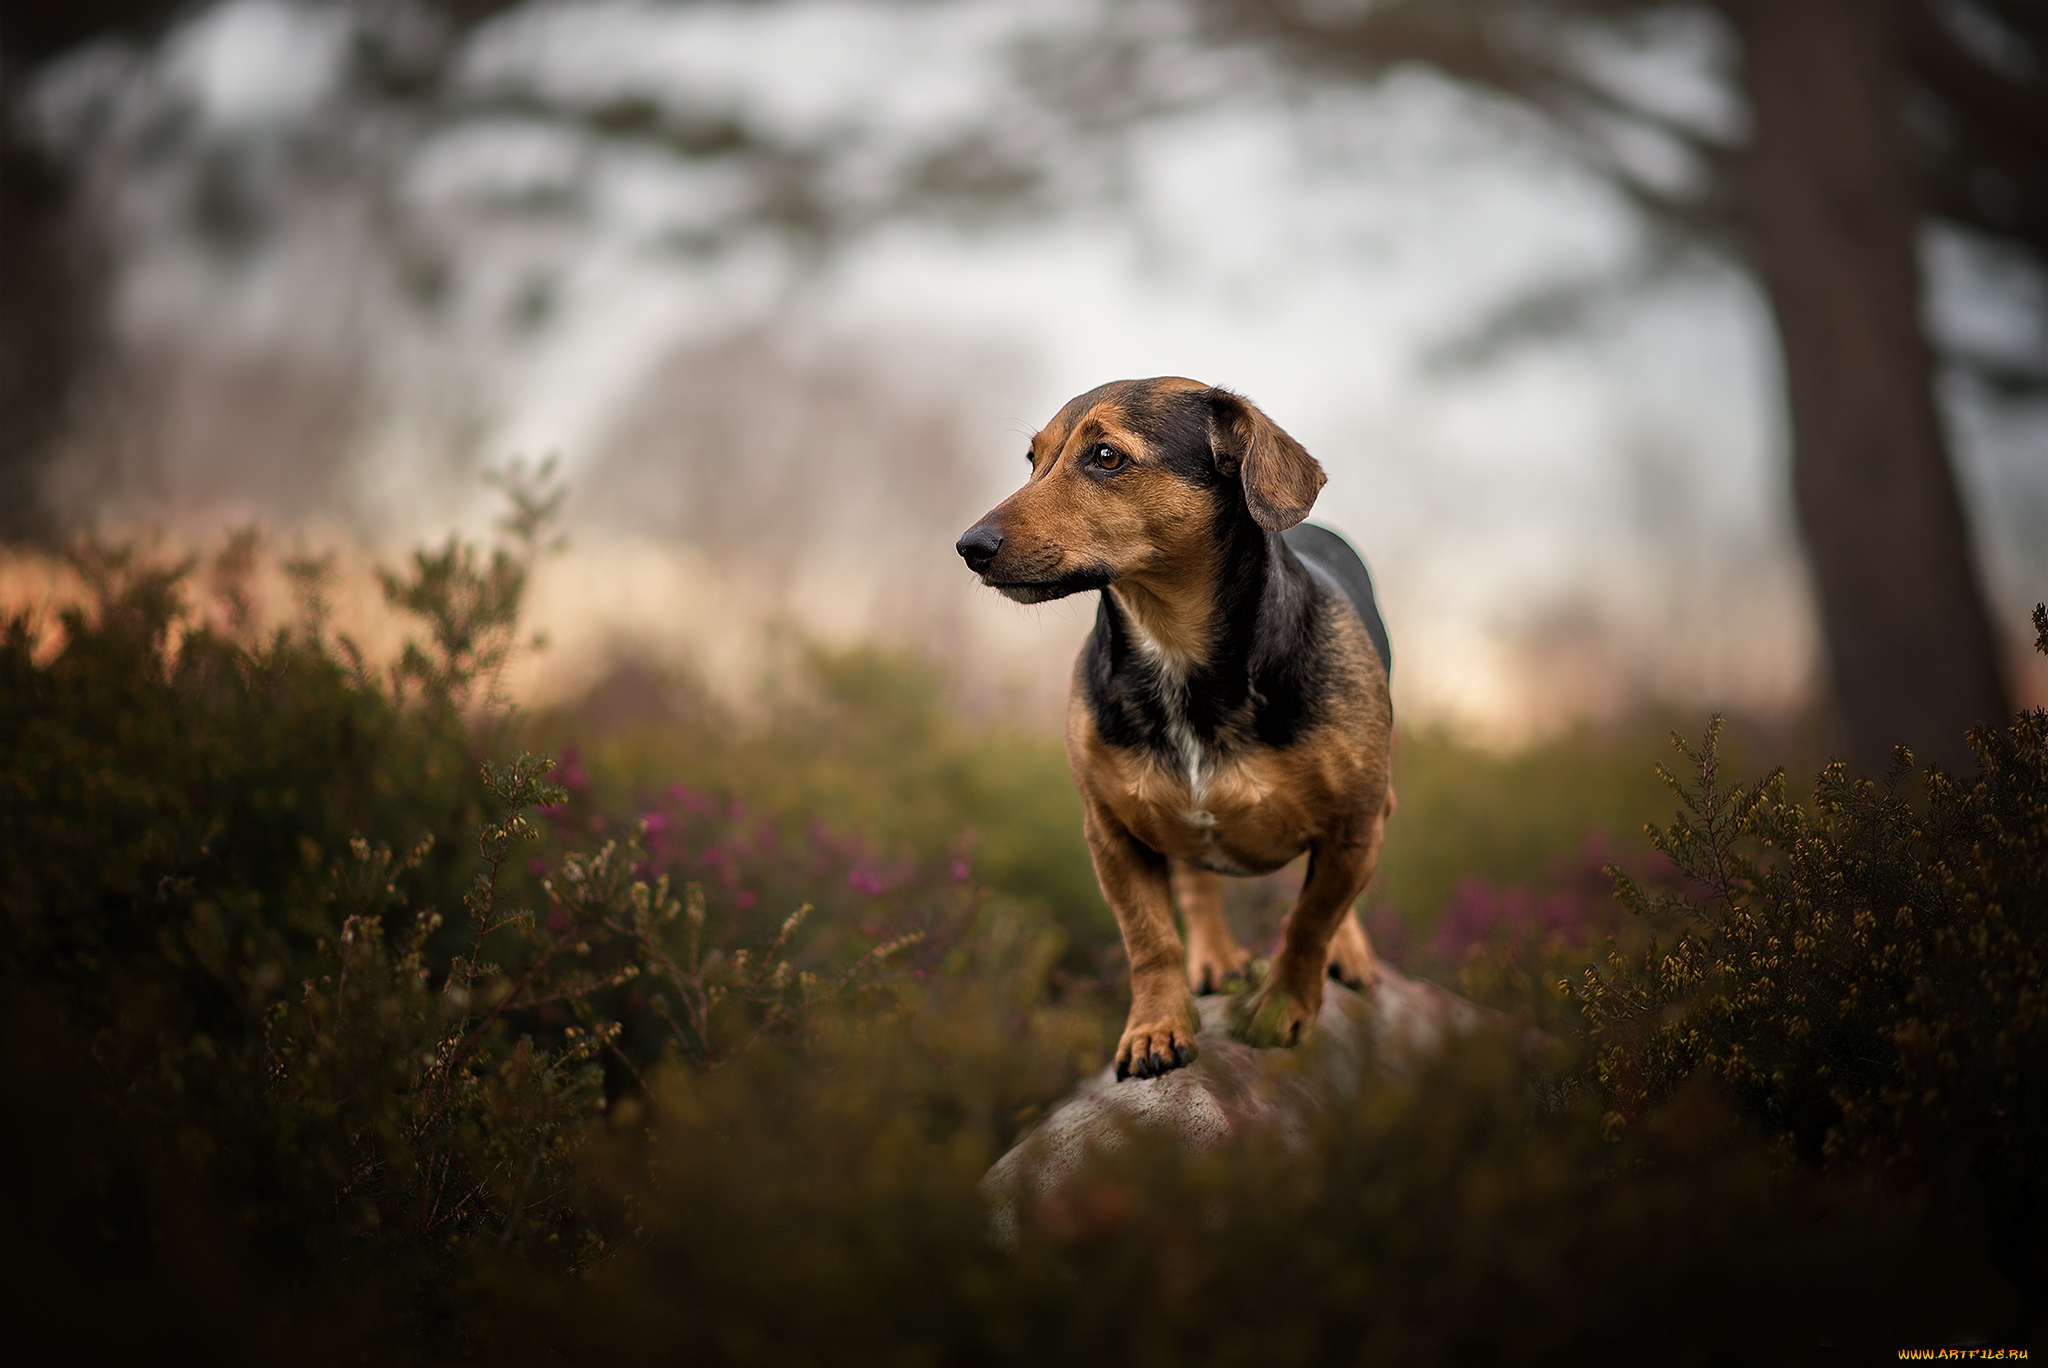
[978, 547]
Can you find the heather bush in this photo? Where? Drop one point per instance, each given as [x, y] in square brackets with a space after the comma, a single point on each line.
[855, 740]
[1864, 972]
[179, 866]
[341, 1028]
[822, 1212]
[299, 1072]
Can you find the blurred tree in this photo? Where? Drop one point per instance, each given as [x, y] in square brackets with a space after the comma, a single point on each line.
[403, 79]
[57, 258]
[1865, 122]
[50, 274]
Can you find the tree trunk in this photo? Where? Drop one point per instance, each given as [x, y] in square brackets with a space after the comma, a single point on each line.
[1829, 209]
[50, 311]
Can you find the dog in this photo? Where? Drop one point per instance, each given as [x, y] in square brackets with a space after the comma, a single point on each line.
[1230, 710]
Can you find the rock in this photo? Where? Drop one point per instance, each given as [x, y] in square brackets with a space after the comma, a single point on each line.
[1231, 1086]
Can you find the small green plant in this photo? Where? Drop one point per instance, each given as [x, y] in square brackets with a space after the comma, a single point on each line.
[451, 1128]
[470, 605]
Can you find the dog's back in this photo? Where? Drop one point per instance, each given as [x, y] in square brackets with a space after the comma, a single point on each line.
[1330, 558]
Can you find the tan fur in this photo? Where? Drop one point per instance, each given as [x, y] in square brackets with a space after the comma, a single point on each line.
[1156, 829]
[1214, 958]
[1151, 533]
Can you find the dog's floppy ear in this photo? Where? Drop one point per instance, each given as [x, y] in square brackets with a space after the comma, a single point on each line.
[1281, 480]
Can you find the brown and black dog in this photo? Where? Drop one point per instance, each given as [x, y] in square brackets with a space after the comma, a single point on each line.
[1230, 710]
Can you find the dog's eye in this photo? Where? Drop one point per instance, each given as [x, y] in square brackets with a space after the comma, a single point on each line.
[1108, 457]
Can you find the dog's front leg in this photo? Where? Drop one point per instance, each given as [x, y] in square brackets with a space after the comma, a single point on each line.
[1160, 1033]
[1352, 962]
[1282, 1011]
[1214, 956]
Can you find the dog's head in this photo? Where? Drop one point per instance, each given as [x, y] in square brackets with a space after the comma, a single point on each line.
[1139, 477]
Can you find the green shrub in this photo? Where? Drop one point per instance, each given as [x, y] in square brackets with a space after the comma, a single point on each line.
[301, 1073]
[293, 1103]
[1864, 972]
[182, 806]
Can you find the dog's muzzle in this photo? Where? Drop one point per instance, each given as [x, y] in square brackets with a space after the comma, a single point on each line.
[978, 547]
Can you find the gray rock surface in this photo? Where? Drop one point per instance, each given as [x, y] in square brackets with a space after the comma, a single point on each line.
[1231, 1086]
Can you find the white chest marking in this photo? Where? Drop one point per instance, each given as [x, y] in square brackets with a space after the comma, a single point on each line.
[1197, 763]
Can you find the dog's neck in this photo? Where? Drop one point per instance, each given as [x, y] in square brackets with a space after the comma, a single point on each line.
[1199, 615]
[1173, 628]
[1187, 667]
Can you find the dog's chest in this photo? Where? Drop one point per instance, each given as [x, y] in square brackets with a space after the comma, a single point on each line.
[1233, 811]
[1193, 759]
[1174, 750]
[1203, 793]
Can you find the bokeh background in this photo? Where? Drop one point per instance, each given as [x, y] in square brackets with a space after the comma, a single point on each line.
[785, 287]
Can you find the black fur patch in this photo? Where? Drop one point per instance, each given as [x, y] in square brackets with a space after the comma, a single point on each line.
[1045, 591]
[1269, 669]
[1174, 423]
[1324, 552]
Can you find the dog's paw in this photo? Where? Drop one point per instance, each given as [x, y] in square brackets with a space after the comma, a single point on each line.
[1352, 962]
[1224, 968]
[1156, 1045]
[1272, 1016]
